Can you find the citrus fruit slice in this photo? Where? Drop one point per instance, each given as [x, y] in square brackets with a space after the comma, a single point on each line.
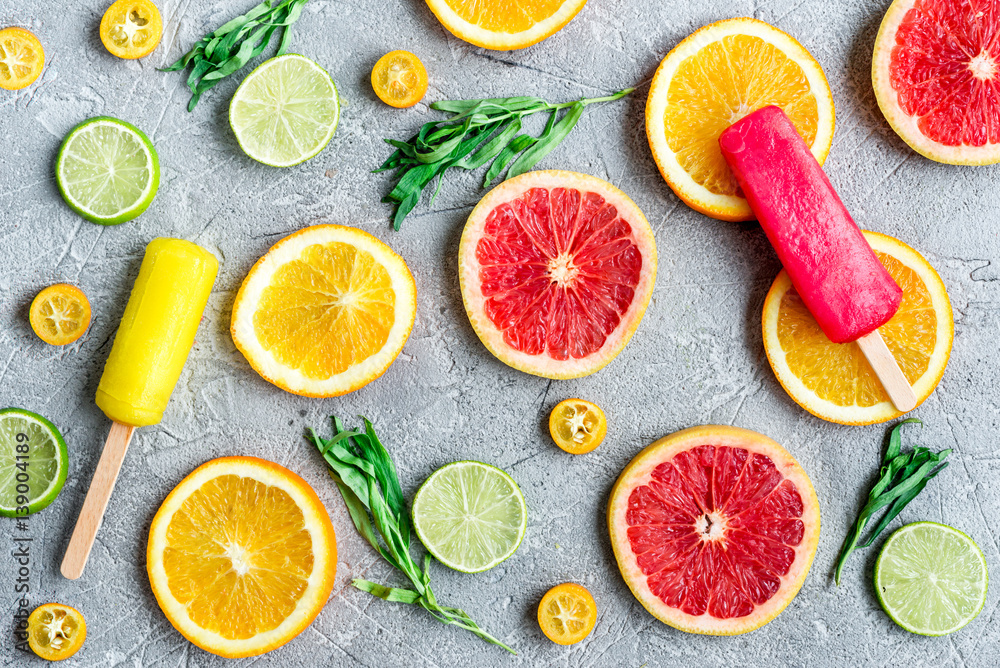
[56, 631]
[33, 462]
[285, 111]
[22, 58]
[325, 311]
[931, 579]
[399, 79]
[714, 529]
[936, 74]
[241, 556]
[567, 613]
[470, 516]
[556, 270]
[834, 381]
[577, 426]
[107, 170]
[504, 24]
[712, 79]
[60, 314]
[131, 28]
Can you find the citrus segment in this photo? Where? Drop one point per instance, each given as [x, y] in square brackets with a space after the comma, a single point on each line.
[325, 311]
[567, 613]
[60, 314]
[714, 529]
[22, 58]
[471, 516]
[399, 79]
[241, 556]
[931, 579]
[107, 170]
[285, 111]
[556, 270]
[131, 28]
[504, 24]
[56, 631]
[577, 426]
[712, 79]
[834, 381]
[936, 74]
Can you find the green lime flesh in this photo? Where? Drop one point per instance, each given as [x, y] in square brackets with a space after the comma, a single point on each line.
[471, 516]
[107, 170]
[931, 579]
[285, 111]
[33, 462]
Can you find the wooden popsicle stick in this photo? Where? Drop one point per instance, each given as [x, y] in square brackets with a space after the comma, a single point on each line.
[888, 371]
[101, 486]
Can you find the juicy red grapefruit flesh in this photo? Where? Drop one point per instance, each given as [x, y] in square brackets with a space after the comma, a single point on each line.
[714, 530]
[944, 69]
[558, 271]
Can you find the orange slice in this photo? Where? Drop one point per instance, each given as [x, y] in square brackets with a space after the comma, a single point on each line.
[567, 613]
[399, 79]
[241, 556]
[504, 24]
[21, 58]
[60, 314]
[56, 631]
[325, 311]
[834, 381]
[577, 426]
[712, 79]
[131, 28]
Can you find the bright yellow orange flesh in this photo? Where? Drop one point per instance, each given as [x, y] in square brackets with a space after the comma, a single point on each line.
[399, 79]
[834, 380]
[241, 556]
[714, 78]
[325, 312]
[21, 58]
[504, 24]
[56, 631]
[567, 613]
[577, 426]
[131, 28]
[60, 314]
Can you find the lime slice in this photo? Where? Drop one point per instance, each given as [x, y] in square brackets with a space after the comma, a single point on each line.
[931, 579]
[285, 111]
[33, 462]
[107, 170]
[470, 516]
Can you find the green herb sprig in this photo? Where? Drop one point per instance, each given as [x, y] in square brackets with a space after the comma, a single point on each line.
[367, 479]
[903, 475]
[234, 44]
[477, 132]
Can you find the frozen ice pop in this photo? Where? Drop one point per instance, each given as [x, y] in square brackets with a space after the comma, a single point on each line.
[150, 348]
[830, 263]
[156, 331]
[832, 267]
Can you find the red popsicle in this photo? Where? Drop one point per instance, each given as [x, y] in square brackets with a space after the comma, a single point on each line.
[830, 263]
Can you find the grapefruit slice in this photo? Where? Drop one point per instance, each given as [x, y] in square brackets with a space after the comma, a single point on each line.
[714, 529]
[556, 270]
[936, 74]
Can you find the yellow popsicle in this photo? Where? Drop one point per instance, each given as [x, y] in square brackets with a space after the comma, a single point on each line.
[156, 331]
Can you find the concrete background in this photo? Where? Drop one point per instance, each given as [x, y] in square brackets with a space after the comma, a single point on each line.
[696, 358]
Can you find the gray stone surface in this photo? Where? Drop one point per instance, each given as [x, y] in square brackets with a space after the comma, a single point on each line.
[696, 358]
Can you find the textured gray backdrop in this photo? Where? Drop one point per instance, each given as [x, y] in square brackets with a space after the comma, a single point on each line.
[696, 358]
